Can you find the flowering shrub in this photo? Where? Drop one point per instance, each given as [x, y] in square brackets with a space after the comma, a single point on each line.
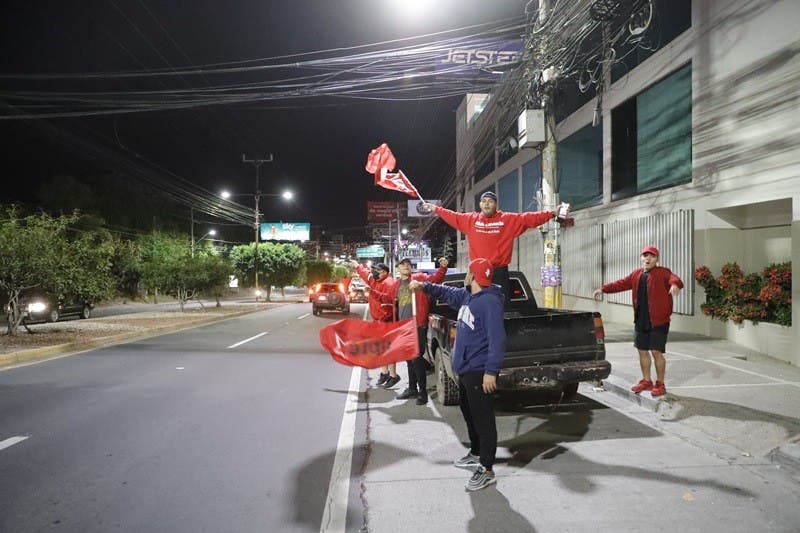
[737, 297]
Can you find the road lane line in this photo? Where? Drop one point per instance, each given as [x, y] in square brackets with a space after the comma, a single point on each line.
[732, 367]
[12, 441]
[334, 516]
[734, 385]
[301, 317]
[254, 337]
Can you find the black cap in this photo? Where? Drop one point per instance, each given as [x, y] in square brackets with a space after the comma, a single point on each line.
[489, 194]
[383, 266]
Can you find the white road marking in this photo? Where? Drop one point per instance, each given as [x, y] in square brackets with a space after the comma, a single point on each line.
[334, 516]
[736, 385]
[254, 337]
[12, 441]
[180, 368]
[714, 362]
[366, 312]
[301, 317]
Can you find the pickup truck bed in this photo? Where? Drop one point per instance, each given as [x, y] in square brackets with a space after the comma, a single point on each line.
[545, 348]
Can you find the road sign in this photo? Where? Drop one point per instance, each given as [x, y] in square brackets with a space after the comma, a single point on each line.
[370, 252]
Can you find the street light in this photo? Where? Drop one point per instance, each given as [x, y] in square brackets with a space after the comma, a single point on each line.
[286, 195]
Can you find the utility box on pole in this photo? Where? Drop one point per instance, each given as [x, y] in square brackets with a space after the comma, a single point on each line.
[530, 128]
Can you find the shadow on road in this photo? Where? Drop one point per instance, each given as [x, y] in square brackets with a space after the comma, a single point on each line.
[493, 512]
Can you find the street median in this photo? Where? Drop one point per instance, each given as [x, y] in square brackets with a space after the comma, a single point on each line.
[68, 337]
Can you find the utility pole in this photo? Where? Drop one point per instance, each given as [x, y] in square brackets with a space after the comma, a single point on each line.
[191, 215]
[551, 269]
[257, 162]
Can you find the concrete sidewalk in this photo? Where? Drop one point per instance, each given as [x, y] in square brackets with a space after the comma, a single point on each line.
[716, 389]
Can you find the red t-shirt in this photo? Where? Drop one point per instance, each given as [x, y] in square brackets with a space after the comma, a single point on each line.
[493, 237]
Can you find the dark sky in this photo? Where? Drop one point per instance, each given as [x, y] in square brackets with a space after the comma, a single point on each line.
[319, 145]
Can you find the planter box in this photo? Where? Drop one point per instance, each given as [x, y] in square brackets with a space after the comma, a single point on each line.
[769, 339]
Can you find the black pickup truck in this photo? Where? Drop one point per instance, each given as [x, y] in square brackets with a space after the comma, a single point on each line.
[545, 348]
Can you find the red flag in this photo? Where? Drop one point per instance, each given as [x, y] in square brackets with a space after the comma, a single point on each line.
[380, 158]
[354, 342]
[396, 181]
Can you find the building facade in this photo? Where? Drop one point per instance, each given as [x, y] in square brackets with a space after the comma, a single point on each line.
[695, 149]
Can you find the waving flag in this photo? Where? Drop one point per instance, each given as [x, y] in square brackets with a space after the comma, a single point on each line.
[381, 161]
[354, 342]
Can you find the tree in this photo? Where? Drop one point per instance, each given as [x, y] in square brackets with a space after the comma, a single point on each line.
[318, 272]
[280, 264]
[46, 252]
[339, 272]
[160, 254]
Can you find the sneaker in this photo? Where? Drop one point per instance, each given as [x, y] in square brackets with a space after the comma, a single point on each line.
[468, 461]
[382, 378]
[391, 382]
[658, 389]
[406, 394]
[422, 399]
[644, 384]
[480, 479]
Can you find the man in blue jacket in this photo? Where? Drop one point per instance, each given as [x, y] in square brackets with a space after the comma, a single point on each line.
[477, 357]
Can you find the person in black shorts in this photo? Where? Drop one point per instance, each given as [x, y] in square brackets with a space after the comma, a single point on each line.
[653, 287]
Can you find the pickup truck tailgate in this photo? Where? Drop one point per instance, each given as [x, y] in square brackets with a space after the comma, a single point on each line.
[564, 335]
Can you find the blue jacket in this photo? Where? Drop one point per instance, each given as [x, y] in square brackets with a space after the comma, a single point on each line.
[480, 335]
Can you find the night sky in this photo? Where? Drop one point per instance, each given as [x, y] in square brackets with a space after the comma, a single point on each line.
[319, 144]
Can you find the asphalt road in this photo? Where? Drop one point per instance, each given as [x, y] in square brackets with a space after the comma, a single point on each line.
[179, 433]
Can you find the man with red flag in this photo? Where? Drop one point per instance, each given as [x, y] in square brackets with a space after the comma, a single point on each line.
[491, 233]
[401, 293]
[381, 308]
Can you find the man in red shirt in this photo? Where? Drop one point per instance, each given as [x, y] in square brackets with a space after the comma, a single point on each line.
[653, 287]
[491, 233]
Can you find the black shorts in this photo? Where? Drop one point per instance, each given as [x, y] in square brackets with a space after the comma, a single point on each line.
[654, 339]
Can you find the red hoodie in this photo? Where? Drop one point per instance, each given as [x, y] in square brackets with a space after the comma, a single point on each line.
[379, 310]
[659, 299]
[493, 237]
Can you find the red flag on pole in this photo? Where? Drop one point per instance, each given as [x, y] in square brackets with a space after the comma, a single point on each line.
[354, 342]
[381, 162]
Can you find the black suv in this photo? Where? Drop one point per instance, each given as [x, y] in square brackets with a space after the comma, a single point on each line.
[330, 297]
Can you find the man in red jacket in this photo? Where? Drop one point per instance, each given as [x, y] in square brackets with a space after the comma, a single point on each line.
[491, 233]
[653, 287]
[381, 309]
[401, 293]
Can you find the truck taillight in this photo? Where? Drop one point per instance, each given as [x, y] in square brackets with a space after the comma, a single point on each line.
[599, 331]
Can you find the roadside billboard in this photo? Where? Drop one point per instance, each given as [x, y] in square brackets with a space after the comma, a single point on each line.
[381, 211]
[370, 252]
[285, 231]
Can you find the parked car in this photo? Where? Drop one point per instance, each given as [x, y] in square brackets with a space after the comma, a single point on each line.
[546, 349]
[329, 297]
[46, 307]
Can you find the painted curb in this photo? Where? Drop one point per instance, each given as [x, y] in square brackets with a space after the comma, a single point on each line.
[622, 388]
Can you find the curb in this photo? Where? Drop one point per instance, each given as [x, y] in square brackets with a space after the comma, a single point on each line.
[787, 455]
[622, 389]
[71, 348]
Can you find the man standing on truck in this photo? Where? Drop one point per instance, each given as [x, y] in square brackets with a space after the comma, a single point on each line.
[653, 287]
[477, 357]
[491, 233]
[379, 283]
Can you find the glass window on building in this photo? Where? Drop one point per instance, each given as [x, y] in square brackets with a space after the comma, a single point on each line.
[531, 183]
[651, 137]
[664, 20]
[580, 167]
[508, 192]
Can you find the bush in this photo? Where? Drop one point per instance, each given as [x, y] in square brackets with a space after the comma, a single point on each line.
[737, 297]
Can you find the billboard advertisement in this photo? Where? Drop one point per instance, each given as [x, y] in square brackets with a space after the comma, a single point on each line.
[285, 231]
[415, 208]
[370, 252]
[381, 211]
[481, 57]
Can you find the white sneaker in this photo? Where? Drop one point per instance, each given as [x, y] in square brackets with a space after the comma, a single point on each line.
[468, 461]
[480, 479]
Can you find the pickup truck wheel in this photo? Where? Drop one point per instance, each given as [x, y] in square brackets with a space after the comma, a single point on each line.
[446, 388]
[569, 391]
